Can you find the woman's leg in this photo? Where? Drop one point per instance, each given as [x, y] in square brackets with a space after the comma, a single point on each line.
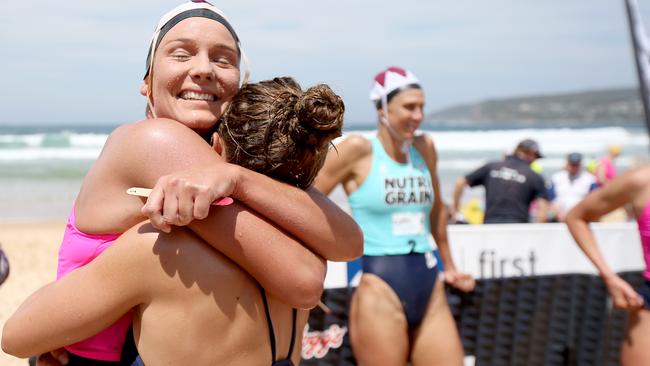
[378, 328]
[635, 349]
[436, 341]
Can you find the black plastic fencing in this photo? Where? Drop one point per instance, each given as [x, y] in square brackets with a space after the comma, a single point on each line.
[542, 320]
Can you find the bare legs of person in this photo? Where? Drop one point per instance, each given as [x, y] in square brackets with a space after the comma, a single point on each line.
[379, 333]
[437, 341]
[634, 349]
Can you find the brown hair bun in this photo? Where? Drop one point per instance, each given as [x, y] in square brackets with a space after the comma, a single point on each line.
[275, 128]
[320, 116]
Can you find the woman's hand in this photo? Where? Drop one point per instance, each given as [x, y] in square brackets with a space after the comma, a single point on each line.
[623, 294]
[462, 281]
[58, 357]
[179, 198]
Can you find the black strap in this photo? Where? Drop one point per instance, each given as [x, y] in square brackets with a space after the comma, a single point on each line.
[269, 323]
[293, 334]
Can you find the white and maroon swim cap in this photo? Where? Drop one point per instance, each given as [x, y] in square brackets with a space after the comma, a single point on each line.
[390, 82]
[190, 9]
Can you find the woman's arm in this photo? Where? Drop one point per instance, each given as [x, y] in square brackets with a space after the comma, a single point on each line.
[598, 203]
[459, 187]
[340, 164]
[307, 215]
[73, 309]
[438, 218]
[140, 153]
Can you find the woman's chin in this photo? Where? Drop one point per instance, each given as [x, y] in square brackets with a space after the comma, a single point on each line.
[199, 122]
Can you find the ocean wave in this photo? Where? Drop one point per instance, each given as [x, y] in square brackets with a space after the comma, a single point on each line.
[458, 147]
[62, 139]
[47, 153]
[552, 141]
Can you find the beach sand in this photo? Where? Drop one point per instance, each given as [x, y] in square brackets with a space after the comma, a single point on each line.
[32, 251]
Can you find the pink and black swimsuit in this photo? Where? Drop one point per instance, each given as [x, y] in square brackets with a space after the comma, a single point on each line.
[644, 231]
[77, 250]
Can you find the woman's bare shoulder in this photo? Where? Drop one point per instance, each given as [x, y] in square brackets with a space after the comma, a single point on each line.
[155, 141]
[423, 140]
[637, 178]
[150, 131]
[426, 147]
[357, 145]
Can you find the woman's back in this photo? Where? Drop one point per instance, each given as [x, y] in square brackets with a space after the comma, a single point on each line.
[203, 308]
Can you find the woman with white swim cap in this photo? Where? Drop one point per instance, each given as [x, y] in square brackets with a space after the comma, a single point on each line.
[192, 74]
[182, 286]
[398, 313]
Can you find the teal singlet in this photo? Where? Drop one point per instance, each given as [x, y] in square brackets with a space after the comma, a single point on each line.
[393, 204]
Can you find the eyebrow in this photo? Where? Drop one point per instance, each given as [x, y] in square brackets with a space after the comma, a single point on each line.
[191, 40]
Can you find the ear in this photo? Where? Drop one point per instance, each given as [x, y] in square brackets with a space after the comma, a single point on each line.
[144, 88]
[382, 115]
[217, 143]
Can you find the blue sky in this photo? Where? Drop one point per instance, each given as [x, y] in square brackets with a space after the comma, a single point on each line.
[82, 61]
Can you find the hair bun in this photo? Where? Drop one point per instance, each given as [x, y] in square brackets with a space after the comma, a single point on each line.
[320, 116]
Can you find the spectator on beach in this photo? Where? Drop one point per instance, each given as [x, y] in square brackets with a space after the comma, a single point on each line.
[633, 188]
[192, 73]
[272, 127]
[605, 169]
[398, 312]
[4, 266]
[510, 187]
[570, 186]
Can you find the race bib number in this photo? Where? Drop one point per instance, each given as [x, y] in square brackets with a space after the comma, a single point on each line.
[408, 223]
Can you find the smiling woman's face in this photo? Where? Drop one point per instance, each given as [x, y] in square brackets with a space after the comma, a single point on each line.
[406, 112]
[195, 73]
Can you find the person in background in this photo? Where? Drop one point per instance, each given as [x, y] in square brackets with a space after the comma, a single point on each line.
[633, 188]
[570, 186]
[606, 169]
[399, 312]
[510, 187]
[4, 266]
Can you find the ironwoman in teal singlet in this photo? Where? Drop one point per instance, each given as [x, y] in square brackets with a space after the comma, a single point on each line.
[398, 313]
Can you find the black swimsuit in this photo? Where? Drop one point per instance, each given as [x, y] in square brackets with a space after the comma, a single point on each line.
[287, 361]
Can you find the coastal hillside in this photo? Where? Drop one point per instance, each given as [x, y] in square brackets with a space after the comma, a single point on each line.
[611, 106]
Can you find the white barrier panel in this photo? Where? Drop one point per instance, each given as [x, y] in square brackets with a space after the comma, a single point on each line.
[488, 251]
[507, 250]
[337, 275]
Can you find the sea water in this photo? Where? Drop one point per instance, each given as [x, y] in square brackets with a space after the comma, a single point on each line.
[41, 167]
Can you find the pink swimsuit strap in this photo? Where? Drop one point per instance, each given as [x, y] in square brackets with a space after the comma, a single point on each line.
[78, 249]
[643, 222]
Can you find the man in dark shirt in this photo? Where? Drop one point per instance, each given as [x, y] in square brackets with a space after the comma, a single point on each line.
[510, 187]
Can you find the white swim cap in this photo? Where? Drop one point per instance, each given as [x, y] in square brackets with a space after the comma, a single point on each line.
[390, 82]
[190, 9]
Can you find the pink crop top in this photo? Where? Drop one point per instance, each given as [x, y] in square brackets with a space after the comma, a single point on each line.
[644, 231]
[77, 250]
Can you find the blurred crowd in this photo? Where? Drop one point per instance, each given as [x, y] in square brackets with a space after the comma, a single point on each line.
[516, 191]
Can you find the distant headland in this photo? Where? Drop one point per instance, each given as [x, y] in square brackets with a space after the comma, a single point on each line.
[620, 106]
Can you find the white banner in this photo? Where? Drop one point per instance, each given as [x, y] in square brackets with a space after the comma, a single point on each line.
[510, 250]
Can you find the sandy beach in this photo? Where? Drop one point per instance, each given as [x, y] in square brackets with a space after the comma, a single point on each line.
[32, 251]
